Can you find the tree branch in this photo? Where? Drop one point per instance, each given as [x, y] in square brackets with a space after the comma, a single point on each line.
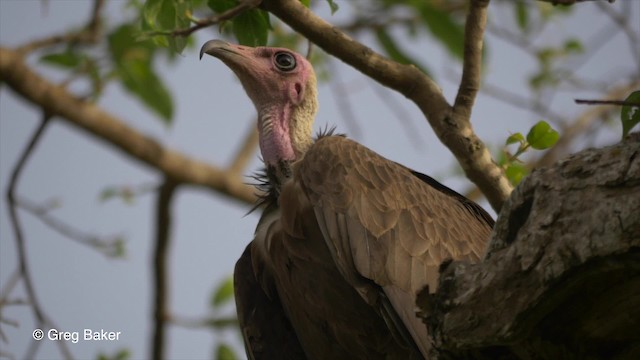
[606, 102]
[473, 43]
[571, 2]
[87, 35]
[111, 247]
[459, 137]
[562, 263]
[42, 320]
[15, 221]
[581, 124]
[242, 6]
[107, 127]
[160, 264]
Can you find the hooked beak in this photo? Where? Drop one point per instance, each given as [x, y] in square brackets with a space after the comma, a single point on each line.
[241, 59]
[217, 48]
[222, 49]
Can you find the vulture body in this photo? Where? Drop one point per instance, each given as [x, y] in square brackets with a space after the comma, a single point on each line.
[346, 239]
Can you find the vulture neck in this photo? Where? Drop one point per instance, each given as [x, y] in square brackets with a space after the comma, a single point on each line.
[286, 134]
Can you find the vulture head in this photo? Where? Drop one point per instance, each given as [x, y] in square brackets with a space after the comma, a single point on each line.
[282, 86]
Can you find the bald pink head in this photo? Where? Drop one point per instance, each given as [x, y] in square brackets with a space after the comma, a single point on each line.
[282, 86]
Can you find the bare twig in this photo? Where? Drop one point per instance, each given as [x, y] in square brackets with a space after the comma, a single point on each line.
[107, 246]
[581, 124]
[15, 73]
[128, 192]
[606, 102]
[87, 35]
[571, 2]
[9, 285]
[15, 221]
[160, 267]
[212, 20]
[207, 322]
[42, 320]
[470, 151]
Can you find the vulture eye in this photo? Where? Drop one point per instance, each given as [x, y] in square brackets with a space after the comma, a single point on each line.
[285, 61]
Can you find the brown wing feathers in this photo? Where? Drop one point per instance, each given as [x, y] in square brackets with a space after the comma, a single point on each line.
[388, 224]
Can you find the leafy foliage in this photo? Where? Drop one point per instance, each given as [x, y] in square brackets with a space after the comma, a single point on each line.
[221, 298]
[133, 61]
[549, 74]
[630, 115]
[167, 15]
[250, 28]
[122, 354]
[442, 26]
[223, 293]
[333, 5]
[540, 137]
[224, 352]
[80, 64]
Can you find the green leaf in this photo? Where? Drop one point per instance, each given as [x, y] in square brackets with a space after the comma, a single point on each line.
[334, 6]
[67, 59]
[515, 172]
[542, 136]
[443, 27]
[394, 52]
[224, 352]
[515, 138]
[133, 65]
[223, 293]
[167, 15]
[220, 6]
[108, 193]
[306, 3]
[252, 27]
[630, 115]
[522, 14]
[122, 354]
[573, 46]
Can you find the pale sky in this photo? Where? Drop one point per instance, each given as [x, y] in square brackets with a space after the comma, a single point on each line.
[80, 288]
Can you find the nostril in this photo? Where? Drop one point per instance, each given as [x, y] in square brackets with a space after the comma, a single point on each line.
[298, 88]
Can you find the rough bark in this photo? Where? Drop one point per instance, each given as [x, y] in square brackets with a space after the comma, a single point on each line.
[561, 278]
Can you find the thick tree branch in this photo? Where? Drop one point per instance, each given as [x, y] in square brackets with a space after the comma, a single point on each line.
[160, 268]
[458, 136]
[562, 274]
[472, 66]
[58, 101]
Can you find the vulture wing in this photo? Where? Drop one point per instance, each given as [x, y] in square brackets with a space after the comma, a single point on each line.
[387, 227]
[266, 330]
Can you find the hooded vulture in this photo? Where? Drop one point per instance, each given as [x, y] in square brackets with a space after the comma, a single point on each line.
[346, 238]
